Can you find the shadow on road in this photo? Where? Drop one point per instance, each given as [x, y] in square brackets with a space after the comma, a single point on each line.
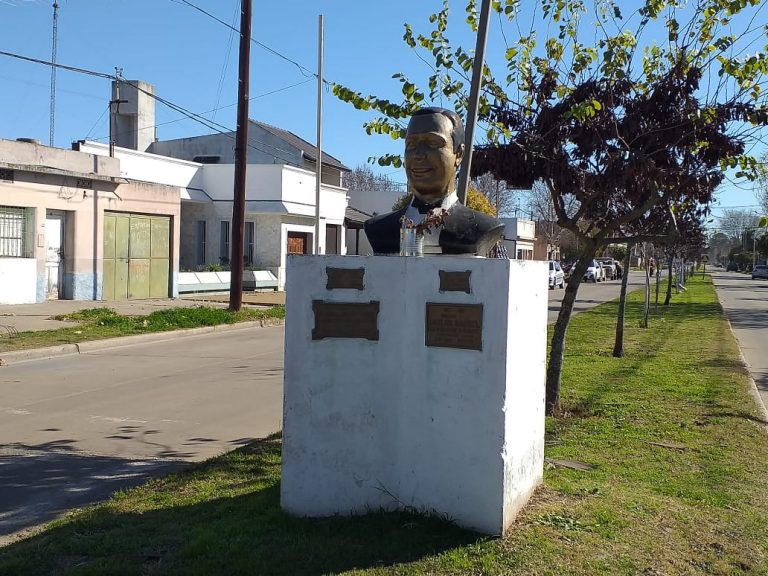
[41, 482]
[236, 527]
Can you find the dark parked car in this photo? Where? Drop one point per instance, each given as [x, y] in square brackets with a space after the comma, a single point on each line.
[760, 271]
[732, 267]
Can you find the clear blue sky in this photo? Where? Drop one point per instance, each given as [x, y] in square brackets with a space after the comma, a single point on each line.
[192, 61]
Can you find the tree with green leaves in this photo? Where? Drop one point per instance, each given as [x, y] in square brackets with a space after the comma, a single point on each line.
[646, 119]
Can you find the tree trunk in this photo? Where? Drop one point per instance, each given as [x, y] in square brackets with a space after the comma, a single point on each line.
[668, 297]
[557, 348]
[647, 300]
[618, 346]
[658, 281]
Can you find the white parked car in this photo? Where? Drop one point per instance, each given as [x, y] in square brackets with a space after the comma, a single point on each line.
[556, 275]
[595, 272]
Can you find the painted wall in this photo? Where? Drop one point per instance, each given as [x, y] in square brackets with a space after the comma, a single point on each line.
[83, 202]
[148, 167]
[394, 423]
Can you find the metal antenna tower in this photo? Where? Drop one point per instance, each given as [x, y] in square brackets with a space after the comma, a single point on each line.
[54, 41]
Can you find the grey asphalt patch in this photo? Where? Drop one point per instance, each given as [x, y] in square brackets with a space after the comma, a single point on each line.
[41, 483]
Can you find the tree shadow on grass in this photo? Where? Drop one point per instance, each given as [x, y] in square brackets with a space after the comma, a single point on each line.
[240, 529]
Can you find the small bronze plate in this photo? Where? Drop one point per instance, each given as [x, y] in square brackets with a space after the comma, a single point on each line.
[454, 281]
[454, 326]
[345, 320]
[340, 278]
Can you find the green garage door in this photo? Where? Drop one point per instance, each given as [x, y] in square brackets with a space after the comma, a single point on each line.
[136, 256]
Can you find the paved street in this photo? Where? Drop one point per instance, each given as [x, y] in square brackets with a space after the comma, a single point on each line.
[746, 303]
[590, 295]
[76, 428]
[73, 429]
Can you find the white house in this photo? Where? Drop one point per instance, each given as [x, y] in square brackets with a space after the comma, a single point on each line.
[71, 227]
[519, 237]
[280, 189]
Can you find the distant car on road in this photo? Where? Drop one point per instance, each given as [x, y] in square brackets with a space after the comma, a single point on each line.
[595, 272]
[556, 275]
[732, 267]
[760, 271]
[609, 264]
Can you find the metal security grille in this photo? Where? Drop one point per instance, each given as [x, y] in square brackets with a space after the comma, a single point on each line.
[16, 226]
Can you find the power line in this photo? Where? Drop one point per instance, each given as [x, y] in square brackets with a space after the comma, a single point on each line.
[215, 126]
[303, 69]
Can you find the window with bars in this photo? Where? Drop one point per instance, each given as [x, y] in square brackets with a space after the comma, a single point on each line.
[17, 226]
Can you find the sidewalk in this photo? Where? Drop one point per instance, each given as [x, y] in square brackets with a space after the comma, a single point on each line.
[35, 317]
[745, 303]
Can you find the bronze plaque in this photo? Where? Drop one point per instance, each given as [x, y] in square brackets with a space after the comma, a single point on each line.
[345, 320]
[454, 326]
[340, 278]
[454, 281]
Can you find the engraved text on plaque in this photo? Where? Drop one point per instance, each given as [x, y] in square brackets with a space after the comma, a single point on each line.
[345, 320]
[340, 278]
[454, 326]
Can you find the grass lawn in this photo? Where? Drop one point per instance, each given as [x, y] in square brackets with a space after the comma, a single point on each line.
[679, 461]
[100, 323]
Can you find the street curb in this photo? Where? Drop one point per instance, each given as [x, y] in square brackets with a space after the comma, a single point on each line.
[753, 391]
[18, 356]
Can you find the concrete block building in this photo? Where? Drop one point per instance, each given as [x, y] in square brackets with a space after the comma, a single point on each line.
[72, 227]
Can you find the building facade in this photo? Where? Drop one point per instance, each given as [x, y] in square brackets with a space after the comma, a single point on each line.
[71, 227]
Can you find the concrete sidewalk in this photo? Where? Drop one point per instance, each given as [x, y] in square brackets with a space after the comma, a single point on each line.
[35, 317]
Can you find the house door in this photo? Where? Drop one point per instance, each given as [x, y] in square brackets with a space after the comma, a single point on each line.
[297, 242]
[332, 232]
[54, 254]
[136, 256]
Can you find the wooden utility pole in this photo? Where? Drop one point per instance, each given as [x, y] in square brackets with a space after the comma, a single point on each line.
[474, 99]
[241, 163]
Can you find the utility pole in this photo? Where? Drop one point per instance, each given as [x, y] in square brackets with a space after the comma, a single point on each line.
[54, 42]
[474, 99]
[319, 165]
[241, 155]
[115, 102]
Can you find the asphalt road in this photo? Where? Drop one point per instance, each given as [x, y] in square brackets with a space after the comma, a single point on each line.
[590, 295]
[74, 429]
[745, 302]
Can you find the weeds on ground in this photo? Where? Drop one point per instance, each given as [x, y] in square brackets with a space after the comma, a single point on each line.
[104, 322]
[674, 484]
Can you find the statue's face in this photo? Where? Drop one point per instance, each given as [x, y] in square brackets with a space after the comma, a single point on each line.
[430, 162]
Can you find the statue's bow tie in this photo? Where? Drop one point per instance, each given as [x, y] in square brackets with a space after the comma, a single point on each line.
[422, 206]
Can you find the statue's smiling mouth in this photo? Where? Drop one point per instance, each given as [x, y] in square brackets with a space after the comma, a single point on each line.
[420, 171]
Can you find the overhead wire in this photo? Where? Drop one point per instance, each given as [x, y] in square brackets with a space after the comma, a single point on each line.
[215, 126]
[303, 69]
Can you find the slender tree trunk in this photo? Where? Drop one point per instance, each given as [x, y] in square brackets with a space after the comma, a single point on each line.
[618, 346]
[647, 300]
[557, 348]
[668, 297]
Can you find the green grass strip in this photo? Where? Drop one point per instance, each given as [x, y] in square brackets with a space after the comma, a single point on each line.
[679, 461]
[101, 323]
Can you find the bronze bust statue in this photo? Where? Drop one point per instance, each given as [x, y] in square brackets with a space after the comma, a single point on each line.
[434, 147]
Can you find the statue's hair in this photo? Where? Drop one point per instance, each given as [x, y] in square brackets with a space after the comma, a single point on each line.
[457, 134]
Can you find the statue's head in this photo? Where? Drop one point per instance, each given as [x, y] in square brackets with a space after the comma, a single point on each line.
[434, 147]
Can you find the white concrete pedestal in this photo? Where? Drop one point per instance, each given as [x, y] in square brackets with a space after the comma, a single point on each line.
[393, 422]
